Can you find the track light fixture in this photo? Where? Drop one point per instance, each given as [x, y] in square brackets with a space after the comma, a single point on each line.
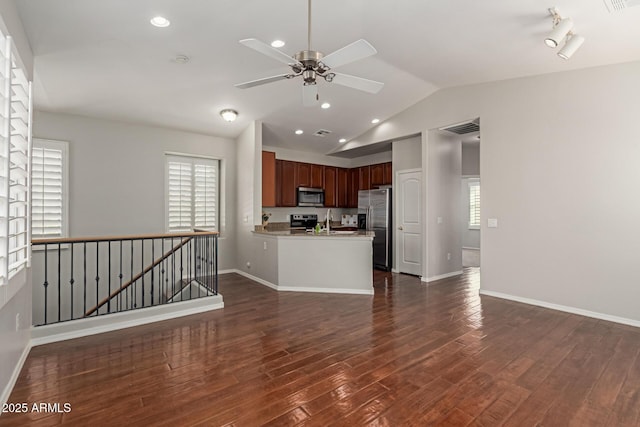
[563, 29]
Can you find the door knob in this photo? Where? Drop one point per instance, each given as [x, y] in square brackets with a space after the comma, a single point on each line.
[400, 228]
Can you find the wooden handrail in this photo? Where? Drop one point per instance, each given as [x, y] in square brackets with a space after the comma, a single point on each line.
[58, 240]
[146, 270]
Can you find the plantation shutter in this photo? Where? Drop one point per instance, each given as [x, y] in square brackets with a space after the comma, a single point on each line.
[474, 204]
[192, 193]
[180, 195]
[47, 187]
[206, 184]
[19, 156]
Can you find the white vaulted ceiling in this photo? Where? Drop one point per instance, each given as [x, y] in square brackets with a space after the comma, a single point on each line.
[102, 58]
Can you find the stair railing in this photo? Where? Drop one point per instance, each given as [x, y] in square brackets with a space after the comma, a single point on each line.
[92, 276]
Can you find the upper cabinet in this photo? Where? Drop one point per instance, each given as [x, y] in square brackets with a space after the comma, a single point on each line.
[281, 179]
[330, 186]
[303, 174]
[317, 176]
[268, 178]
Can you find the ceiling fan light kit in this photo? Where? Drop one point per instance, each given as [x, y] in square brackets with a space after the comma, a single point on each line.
[313, 65]
[563, 29]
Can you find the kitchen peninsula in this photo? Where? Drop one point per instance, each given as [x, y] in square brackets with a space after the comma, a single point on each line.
[335, 262]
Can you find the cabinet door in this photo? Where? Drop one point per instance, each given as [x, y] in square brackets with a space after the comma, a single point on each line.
[278, 182]
[330, 187]
[317, 176]
[303, 174]
[268, 178]
[364, 179]
[342, 192]
[388, 173]
[377, 174]
[354, 185]
[288, 183]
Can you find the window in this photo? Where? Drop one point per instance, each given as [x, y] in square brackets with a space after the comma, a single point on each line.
[49, 200]
[15, 156]
[191, 193]
[474, 203]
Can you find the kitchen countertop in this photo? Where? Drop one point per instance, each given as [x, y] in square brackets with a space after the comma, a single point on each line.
[302, 233]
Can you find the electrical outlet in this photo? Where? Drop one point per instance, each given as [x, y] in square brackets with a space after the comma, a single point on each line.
[17, 322]
[448, 256]
[265, 246]
[439, 220]
[248, 264]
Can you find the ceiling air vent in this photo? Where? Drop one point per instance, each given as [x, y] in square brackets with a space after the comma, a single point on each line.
[615, 5]
[463, 128]
[322, 132]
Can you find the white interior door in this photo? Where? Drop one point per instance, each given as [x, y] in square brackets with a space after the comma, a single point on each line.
[409, 222]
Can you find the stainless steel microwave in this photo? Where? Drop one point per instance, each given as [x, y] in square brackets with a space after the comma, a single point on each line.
[310, 196]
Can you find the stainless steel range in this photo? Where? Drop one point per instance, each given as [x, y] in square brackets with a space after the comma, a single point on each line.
[306, 221]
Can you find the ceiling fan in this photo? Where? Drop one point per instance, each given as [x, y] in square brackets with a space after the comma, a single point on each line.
[312, 65]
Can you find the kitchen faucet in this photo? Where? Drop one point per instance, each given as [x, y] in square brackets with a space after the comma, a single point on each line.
[328, 219]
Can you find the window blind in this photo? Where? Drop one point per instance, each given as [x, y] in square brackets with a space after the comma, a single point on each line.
[15, 156]
[192, 193]
[48, 208]
[474, 204]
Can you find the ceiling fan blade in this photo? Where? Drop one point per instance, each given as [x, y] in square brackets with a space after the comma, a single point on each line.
[271, 52]
[359, 83]
[310, 95]
[350, 53]
[263, 81]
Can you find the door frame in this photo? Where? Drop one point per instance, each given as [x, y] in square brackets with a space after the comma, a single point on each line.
[396, 216]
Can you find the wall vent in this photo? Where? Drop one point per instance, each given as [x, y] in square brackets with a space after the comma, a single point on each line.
[616, 5]
[463, 128]
[322, 132]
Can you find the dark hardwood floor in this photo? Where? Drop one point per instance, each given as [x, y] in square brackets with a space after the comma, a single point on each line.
[410, 355]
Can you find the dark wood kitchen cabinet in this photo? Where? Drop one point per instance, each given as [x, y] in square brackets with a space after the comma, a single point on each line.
[303, 174]
[388, 173]
[268, 178]
[286, 182]
[354, 185]
[364, 178]
[329, 186]
[377, 174]
[342, 188]
[317, 176]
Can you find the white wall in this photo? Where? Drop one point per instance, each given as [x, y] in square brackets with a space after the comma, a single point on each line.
[444, 205]
[307, 157]
[15, 297]
[560, 190]
[470, 168]
[371, 159]
[116, 174]
[470, 159]
[249, 190]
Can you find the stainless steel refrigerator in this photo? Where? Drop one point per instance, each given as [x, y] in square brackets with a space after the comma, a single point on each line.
[375, 207]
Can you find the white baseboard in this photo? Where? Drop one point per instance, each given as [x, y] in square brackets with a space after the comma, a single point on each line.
[326, 290]
[471, 249]
[96, 325]
[304, 289]
[257, 279]
[567, 309]
[230, 270]
[440, 277]
[14, 376]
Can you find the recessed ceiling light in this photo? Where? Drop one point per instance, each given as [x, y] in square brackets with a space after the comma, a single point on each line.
[325, 105]
[342, 140]
[160, 21]
[277, 43]
[299, 132]
[374, 121]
